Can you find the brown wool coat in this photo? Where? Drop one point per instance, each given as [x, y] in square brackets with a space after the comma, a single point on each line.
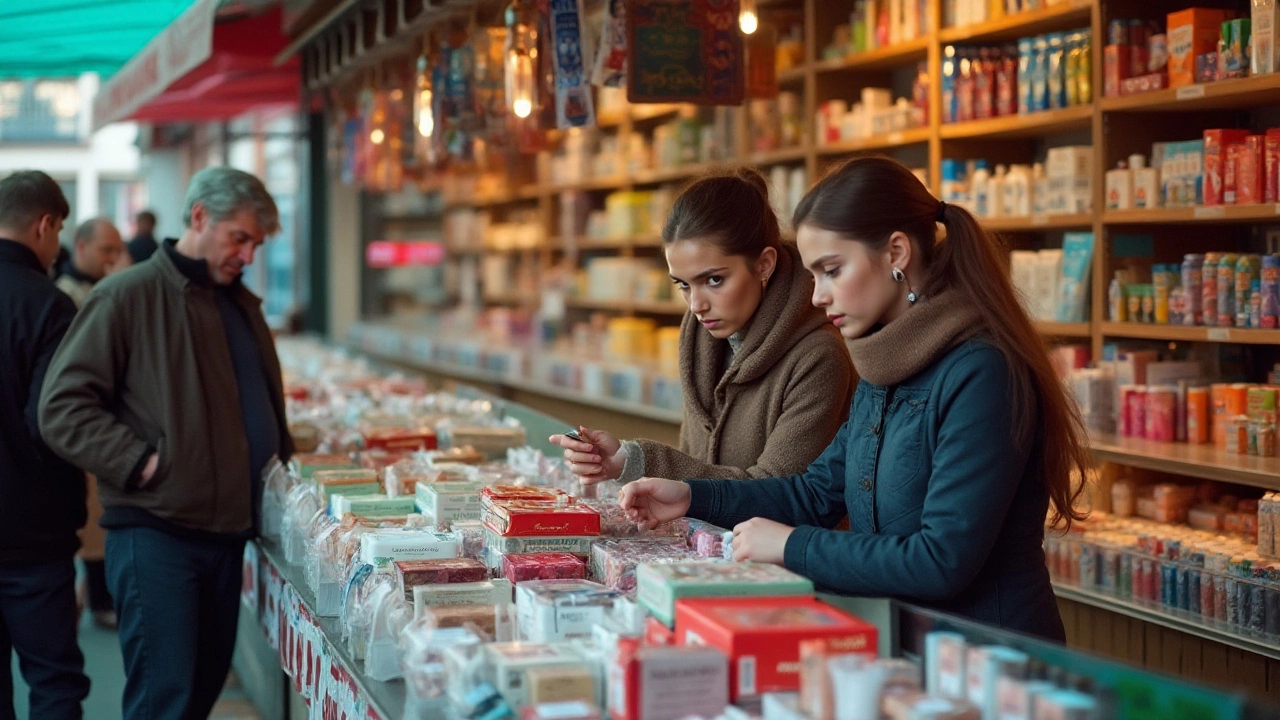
[778, 405]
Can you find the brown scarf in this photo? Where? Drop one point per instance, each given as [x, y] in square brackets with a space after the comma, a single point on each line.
[917, 339]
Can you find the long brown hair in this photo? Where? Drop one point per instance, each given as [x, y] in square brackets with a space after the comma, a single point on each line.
[731, 210]
[867, 199]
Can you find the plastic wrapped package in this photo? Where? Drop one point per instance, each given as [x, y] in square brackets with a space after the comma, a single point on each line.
[510, 663]
[466, 669]
[464, 455]
[357, 481]
[412, 573]
[569, 710]
[493, 494]
[277, 481]
[489, 592]
[501, 474]
[322, 565]
[491, 442]
[388, 617]
[382, 547]
[557, 610]
[449, 502]
[543, 566]
[305, 465]
[471, 533]
[373, 506]
[422, 649]
[493, 623]
[370, 589]
[614, 561]
[303, 503]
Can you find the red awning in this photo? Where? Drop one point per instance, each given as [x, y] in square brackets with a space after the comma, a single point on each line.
[238, 74]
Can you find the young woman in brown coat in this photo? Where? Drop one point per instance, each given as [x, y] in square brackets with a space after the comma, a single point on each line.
[767, 379]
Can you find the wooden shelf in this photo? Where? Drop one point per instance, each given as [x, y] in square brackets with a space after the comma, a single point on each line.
[1080, 221]
[1182, 333]
[1070, 15]
[1241, 94]
[915, 136]
[1198, 461]
[1202, 214]
[673, 174]
[584, 243]
[793, 75]
[509, 299]
[627, 306]
[878, 59]
[524, 194]
[1063, 329]
[611, 119]
[779, 156]
[1159, 616]
[1039, 124]
[591, 185]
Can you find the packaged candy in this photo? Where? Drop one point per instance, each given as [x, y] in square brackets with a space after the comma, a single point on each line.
[277, 481]
[522, 517]
[305, 465]
[412, 573]
[373, 506]
[383, 547]
[614, 560]
[503, 493]
[471, 534]
[556, 610]
[524, 545]
[710, 541]
[489, 592]
[400, 439]
[543, 566]
[660, 585]
[494, 623]
[303, 503]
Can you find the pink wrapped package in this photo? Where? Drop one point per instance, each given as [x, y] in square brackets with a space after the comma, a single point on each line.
[543, 566]
[412, 573]
[614, 560]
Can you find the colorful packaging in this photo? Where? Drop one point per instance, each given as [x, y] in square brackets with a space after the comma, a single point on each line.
[306, 464]
[511, 663]
[1227, 290]
[412, 573]
[522, 517]
[543, 566]
[1115, 69]
[400, 439]
[1198, 423]
[1248, 269]
[661, 682]
[483, 618]
[945, 654]
[1249, 171]
[1160, 413]
[1234, 49]
[1263, 58]
[1056, 70]
[491, 494]
[1192, 32]
[1269, 290]
[614, 560]
[661, 585]
[556, 610]
[1217, 144]
[349, 481]
[489, 592]
[762, 637]
[577, 545]
[447, 503]
[380, 548]
[371, 506]
[1209, 290]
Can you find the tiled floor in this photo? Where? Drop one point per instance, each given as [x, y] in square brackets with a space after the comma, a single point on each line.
[105, 668]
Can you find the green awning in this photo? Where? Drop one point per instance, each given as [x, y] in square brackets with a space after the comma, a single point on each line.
[62, 38]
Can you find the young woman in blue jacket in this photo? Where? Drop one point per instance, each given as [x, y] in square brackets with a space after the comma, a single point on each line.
[961, 437]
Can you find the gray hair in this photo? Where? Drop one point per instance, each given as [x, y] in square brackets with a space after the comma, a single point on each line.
[225, 191]
[86, 230]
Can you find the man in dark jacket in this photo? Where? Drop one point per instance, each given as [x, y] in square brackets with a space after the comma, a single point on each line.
[168, 389]
[42, 498]
[143, 243]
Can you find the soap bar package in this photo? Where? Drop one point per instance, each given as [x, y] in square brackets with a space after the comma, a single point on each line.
[511, 663]
[350, 481]
[543, 566]
[370, 506]
[561, 684]
[384, 547]
[555, 610]
[521, 517]
[493, 622]
[524, 545]
[449, 502]
[489, 592]
[668, 682]
[307, 464]
[614, 561]
[412, 573]
[762, 637]
[400, 439]
[492, 494]
[659, 586]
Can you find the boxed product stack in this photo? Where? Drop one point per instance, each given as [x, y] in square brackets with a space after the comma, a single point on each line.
[521, 520]
[659, 586]
[558, 610]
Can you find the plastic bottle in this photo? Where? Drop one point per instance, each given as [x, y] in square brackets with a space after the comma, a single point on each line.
[1119, 183]
[1016, 187]
[1038, 195]
[1270, 289]
[980, 189]
[1115, 299]
[1146, 183]
[965, 87]
[1209, 290]
[1227, 290]
[953, 189]
[995, 192]
[1192, 287]
[1247, 271]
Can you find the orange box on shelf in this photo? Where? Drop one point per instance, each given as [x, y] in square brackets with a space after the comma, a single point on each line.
[1218, 418]
[1198, 424]
[1216, 145]
[762, 637]
[399, 439]
[1192, 32]
[1249, 171]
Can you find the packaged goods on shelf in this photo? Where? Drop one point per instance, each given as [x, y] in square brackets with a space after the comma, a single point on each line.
[390, 615]
[614, 560]
[1047, 72]
[659, 586]
[493, 494]
[491, 442]
[491, 623]
[497, 543]
[875, 114]
[1055, 282]
[350, 482]
[375, 506]
[543, 566]
[381, 548]
[412, 573]
[668, 682]
[1211, 289]
[306, 464]
[446, 503]
[776, 123]
[487, 592]
[555, 610]
[516, 518]
[511, 663]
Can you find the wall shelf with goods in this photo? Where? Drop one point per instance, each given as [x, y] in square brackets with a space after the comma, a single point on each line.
[1108, 128]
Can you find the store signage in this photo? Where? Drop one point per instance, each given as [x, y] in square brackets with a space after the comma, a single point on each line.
[684, 51]
[402, 253]
[176, 51]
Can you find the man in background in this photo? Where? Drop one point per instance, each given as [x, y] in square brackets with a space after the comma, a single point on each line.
[168, 389]
[98, 248]
[42, 498]
[144, 239]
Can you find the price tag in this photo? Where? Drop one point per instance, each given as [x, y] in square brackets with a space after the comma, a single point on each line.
[1191, 92]
[1040, 219]
[895, 138]
[1210, 212]
[1220, 334]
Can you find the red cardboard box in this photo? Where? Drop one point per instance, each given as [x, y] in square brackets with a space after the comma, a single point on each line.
[1115, 69]
[661, 683]
[522, 518]
[399, 439]
[1271, 166]
[1216, 143]
[656, 633]
[762, 637]
[1249, 171]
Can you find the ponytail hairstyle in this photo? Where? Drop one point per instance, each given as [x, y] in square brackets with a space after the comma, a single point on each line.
[867, 199]
[732, 211]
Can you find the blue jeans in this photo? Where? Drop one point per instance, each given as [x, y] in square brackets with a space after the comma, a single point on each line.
[177, 600]
[38, 620]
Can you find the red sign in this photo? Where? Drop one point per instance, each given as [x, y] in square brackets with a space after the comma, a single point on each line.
[402, 253]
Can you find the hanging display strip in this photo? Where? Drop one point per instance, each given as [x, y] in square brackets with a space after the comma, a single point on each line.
[573, 93]
[684, 51]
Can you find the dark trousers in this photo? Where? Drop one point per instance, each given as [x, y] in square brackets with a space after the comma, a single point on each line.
[38, 620]
[177, 600]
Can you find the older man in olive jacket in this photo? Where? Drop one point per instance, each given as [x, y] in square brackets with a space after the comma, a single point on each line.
[168, 388]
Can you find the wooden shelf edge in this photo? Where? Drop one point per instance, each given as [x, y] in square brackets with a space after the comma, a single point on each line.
[889, 55]
[1198, 461]
[779, 156]
[1172, 622]
[626, 306]
[1021, 24]
[1034, 124]
[1240, 93]
[1080, 221]
[1064, 329]
[1205, 214]
[914, 136]
[1184, 333]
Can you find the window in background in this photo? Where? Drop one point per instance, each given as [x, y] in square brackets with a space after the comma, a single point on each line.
[68, 235]
[39, 111]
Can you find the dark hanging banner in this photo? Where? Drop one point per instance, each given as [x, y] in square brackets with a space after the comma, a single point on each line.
[684, 51]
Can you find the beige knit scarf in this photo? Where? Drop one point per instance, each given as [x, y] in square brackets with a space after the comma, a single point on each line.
[917, 339]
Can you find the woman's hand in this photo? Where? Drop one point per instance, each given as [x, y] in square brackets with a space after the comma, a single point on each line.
[650, 502]
[598, 459]
[760, 540]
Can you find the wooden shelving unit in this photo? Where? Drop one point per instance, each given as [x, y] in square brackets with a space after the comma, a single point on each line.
[1240, 94]
[915, 136]
[1199, 461]
[1039, 124]
[671, 309]
[1038, 223]
[879, 59]
[1204, 214]
[1062, 16]
[1182, 333]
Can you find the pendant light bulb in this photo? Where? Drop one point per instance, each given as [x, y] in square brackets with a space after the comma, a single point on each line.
[520, 54]
[748, 17]
[424, 110]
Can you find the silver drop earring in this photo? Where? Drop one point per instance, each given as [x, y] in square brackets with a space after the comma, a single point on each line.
[899, 277]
